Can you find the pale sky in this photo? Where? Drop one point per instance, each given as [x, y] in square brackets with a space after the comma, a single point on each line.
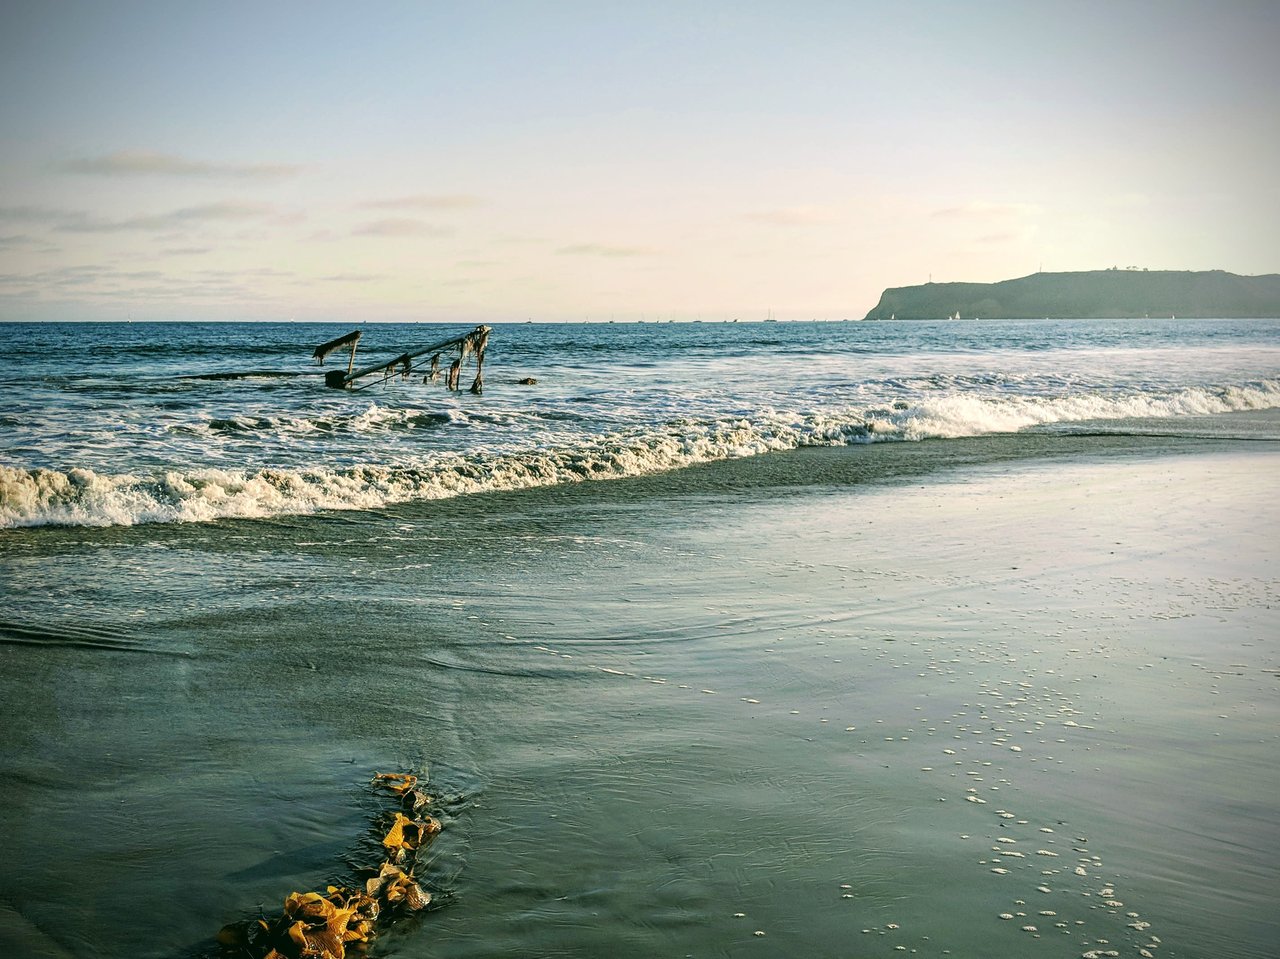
[496, 161]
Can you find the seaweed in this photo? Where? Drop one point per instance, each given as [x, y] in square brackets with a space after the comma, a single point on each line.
[315, 925]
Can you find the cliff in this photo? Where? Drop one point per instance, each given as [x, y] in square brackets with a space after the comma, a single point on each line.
[1094, 294]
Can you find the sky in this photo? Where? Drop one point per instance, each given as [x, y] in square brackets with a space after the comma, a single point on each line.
[564, 160]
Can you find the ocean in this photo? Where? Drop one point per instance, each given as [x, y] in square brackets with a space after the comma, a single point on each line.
[118, 424]
[719, 639]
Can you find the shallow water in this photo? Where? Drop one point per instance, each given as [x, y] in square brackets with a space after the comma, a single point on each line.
[635, 701]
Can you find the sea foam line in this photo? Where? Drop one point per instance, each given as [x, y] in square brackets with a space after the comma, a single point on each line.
[83, 497]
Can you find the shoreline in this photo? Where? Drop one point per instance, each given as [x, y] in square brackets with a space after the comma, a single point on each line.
[843, 466]
[667, 700]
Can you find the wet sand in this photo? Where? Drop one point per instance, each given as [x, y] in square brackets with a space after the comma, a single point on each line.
[1020, 708]
[1023, 710]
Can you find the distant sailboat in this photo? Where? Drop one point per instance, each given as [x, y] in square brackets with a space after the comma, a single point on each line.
[957, 316]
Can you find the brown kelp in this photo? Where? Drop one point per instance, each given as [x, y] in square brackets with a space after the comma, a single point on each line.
[315, 925]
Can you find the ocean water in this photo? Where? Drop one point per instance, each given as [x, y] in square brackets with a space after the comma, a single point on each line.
[720, 640]
[116, 424]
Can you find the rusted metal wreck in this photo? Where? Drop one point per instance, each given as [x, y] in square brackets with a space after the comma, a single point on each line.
[455, 351]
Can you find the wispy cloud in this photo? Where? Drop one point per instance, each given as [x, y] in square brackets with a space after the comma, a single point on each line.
[95, 282]
[224, 211]
[982, 210]
[27, 213]
[399, 227]
[794, 216]
[16, 240]
[81, 221]
[261, 271]
[78, 275]
[127, 163]
[425, 201]
[605, 249]
[351, 277]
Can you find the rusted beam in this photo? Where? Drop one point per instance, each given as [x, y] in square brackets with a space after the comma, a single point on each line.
[324, 349]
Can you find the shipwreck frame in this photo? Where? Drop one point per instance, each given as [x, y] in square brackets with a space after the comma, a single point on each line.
[470, 344]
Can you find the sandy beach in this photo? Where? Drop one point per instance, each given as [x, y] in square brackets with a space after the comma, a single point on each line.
[1027, 707]
[639, 481]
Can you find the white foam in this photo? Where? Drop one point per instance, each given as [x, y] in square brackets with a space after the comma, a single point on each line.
[81, 496]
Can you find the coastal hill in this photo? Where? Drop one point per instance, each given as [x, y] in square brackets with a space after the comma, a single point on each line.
[1113, 294]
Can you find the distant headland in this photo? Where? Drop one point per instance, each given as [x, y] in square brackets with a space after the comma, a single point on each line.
[1095, 294]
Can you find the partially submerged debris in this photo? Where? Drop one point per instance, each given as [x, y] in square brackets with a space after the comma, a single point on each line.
[315, 925]
[468, 344]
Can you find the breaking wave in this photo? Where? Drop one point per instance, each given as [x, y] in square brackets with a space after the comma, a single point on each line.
[83, 497]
